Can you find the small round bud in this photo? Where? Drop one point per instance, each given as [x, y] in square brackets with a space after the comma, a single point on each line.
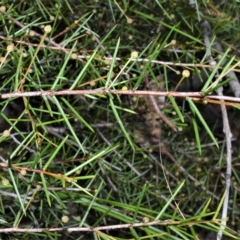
[206, 159]
[180, 129]
[173, 42]
[6, 133]
[10, 47]
[145, 219]
[31, 33]
[74, 56]
[2, 9]
[134, 75]
[134, 99]
[185, 73]
[5, 182]
[124, 88]
[129, 20]
[134, 54]
[23, 172]
[213, 63]
[92, 83]
[65, 219]
[47, 29]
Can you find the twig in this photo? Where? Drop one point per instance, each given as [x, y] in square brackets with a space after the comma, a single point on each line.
[117, 92]
[152, 101]
[13, 195]
[156, 107]
[235, 86]
[85, 57]
[227, 131]
[167, 222]
[98, 91]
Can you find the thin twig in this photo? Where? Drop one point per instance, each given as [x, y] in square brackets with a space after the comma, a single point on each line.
[156, 107]
[120, 92]
[167, 222]
[227, 131]
[152, 101]
[235, 86]
[98, 91]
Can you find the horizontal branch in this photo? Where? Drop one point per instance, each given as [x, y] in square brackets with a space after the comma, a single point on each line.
[86, 57]
[96, 92]
[117, 92]
[89, 229]
[167, 222]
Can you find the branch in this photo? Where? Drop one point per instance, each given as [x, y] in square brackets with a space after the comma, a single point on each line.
[167, 222]
[235, 86]
[227, 131]
[99, 91]
[197, 95]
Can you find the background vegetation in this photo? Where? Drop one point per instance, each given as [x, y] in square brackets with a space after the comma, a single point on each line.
[105, 165]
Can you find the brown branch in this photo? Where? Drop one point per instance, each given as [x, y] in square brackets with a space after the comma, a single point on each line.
[98, 91]
[89, 229]
[42, 46]
[167, 222]
[228, 134]
[197, 96]
[81, 57]
[153, 103]
[117, 92]
[161, 115]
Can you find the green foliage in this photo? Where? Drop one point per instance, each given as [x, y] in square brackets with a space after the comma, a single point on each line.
[107, 159]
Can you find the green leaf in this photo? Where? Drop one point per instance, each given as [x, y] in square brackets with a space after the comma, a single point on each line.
[170, 200]
[45, 188]
[54, 153]
[68, 123]
[214, 72]
[70, 107]
[120, 123]
[195, 111]
[172, 100]
[15, 185]
[195, 127]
